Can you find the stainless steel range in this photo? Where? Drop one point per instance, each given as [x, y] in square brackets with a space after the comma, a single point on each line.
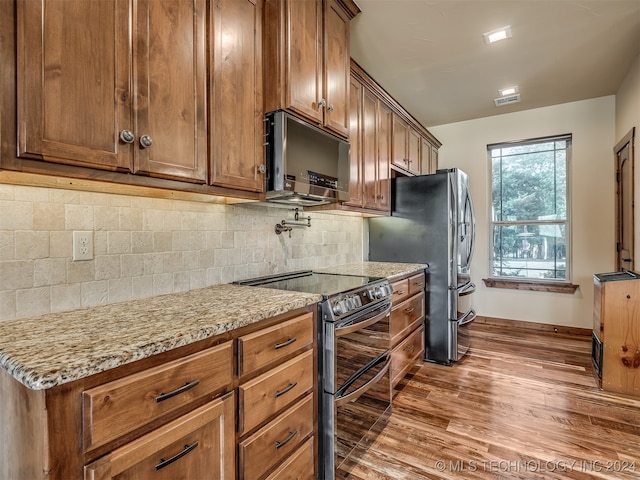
[354, 360]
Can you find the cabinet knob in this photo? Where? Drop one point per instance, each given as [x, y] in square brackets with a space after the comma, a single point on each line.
[127, 136]
[330, 108]
[262, 169]
[322, 102]
[145, 141]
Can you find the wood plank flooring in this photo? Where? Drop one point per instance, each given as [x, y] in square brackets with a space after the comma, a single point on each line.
[521, 404]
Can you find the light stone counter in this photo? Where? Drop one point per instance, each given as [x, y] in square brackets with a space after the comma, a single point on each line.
[49, 350]
[376, 269]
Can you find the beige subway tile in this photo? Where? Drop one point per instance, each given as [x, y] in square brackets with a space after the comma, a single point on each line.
[153, 220]
[172, 262]
[7, 192]
[106, 218]
[61, 244]
[33, 301]
[31, 244]
[94, 293]
[162, 283]
[65, 297]
[7, 245]
[80, 272]
[162, 241]
[31, 194]
[15, 274]
[49, 271]
[78, 217]
[107, 267]
[48, 216]
[132, 265]
[118, 242]
[131, 218]
[181, 281]
[141, 242]
[153, 263]
[7, 305]
[16, 215]
[142, 287]
[120, 290]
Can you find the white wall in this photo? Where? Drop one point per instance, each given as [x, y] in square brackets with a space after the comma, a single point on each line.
[148, 246]
[592, 124]
[627, 117]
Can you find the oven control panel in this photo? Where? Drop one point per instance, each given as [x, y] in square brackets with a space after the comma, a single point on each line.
[350, 302]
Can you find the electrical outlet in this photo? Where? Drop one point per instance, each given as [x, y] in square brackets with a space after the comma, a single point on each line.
[82, 246]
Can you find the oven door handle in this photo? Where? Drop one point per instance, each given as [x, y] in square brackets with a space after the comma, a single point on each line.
[341, 399]
[365, 322]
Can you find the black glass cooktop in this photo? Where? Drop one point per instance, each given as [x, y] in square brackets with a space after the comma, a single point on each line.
[326, 284]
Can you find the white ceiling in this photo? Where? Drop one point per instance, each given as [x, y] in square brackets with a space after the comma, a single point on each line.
[430, 54]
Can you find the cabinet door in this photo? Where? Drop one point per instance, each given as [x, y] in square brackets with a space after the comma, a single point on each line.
[200, 444]
[369, 148]
[425, 157]
[304, 58]
[385, 126]
[400, 132]
[413, 151]
[355, 140]
[169, 55]
[337, 68]
[73, 82]
[237, 126]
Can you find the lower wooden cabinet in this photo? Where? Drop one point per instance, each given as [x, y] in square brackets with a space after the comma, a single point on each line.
[276, 441]
[407, 324]
[194, 412]
[199, 444]
[616, 332]
[277, 408]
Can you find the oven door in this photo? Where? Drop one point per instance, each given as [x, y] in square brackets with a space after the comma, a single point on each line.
[357, 385]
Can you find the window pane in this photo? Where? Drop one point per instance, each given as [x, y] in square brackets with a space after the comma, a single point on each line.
[529, 182]
[530, 251]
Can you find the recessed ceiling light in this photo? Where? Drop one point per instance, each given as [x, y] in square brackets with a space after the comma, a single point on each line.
[508, 91]
[498, 34]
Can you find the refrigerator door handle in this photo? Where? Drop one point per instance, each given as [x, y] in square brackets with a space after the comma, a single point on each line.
[467, 318]
[467, 289]
[472, 213]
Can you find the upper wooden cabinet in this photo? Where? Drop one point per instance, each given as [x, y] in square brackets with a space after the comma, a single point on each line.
[406, 146]
[428, 157]
[307, 60]
[237, 126]
[104, 86]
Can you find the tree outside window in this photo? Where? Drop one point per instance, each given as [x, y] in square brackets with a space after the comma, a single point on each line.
[530, 215]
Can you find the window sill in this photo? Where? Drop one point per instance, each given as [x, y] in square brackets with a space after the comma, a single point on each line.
[528, 285]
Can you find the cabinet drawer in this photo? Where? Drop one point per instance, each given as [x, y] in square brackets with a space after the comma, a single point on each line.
[416, 283]
[258, 349]
[298, 466]
[265, 395]
[121, 406]
[404, 317]
[400, 290]
[276, 440]
[196, 445]
[404, 356]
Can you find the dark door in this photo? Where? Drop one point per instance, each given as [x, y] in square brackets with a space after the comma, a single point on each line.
[624, 203]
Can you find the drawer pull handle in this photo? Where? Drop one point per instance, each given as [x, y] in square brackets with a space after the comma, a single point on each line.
[399, 292]
[187, 386]
[284, 344]
[409, 310]
[285, 389]
[187, 448]
[286, 440]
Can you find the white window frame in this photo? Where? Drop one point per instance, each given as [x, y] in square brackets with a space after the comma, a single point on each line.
[567, 221]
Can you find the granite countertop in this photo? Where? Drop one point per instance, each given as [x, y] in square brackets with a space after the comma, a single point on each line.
[48, 350]
[376, 269]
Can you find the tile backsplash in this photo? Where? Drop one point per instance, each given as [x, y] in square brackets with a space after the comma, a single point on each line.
[149, 246]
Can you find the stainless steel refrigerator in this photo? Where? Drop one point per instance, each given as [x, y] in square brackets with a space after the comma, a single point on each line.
[432, 221]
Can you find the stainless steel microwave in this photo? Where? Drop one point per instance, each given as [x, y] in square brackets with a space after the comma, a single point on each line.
[305, 165]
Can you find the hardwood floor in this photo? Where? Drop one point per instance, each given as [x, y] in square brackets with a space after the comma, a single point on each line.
[521, 404]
